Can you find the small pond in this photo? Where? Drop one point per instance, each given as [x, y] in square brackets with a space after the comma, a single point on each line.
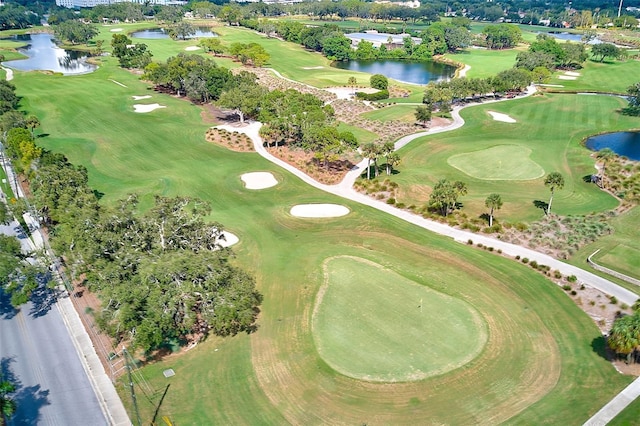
[622, 143]
[159, 33]
[563, 35]
[46, 56]
[406, 71]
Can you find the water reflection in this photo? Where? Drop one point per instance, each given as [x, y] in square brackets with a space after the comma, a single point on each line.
[160, 33]
[406, 71]
[43, 54]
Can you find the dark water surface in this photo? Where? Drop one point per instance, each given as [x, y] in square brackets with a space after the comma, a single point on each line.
[622, 143]
[159, 33]
[406, 71]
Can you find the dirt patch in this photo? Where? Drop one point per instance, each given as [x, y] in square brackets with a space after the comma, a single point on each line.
[305, 162]
[232, 140]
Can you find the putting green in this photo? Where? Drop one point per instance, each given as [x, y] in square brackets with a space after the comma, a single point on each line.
[501, 162]
[373, 324]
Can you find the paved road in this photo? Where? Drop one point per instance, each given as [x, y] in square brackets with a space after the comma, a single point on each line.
[37, 354]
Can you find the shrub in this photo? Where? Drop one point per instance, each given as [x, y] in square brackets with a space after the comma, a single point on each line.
[572, 278]
[566, 287]
[613, 300]
[470, 242]
[557, 274]
[518, 257]
[391, 201]
[499, 251]
[525, 260]
[573, 292]
[382, 94]
[534, 264]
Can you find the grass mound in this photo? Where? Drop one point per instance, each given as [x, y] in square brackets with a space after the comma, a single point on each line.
[373, 324]
[502, 162]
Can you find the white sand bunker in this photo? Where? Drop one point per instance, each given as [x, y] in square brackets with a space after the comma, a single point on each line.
[572, 73]
[498, 116]
[137, 98]
[147, 108]
[348, 92]
[312, 68]
[115, 30]
[190, 48]
[319, 210]
[258, 180]
[567, 77]
[227, 239]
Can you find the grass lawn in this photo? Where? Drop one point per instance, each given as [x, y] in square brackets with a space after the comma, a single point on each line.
[541, 362]
[550, 126]
[400, 331]
[484, 62]
[362, 135]
[501, 162]
[613, 77]
[628, 416]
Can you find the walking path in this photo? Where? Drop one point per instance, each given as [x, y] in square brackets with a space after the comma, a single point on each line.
[616, 405]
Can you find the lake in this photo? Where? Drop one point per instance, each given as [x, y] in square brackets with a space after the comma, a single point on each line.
[405, 71]
[43, 54]
[622, 143]
[160, 33]
[562, 35]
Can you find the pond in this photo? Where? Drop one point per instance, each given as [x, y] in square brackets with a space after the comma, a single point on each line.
[622, 143]
[563, 35]
[159, 33]
[43, 54]
[405, 71]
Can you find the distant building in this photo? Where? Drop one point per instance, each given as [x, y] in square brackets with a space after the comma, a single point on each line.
[414, 4]
[390, 41]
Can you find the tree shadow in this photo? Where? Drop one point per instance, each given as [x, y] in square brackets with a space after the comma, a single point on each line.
[485, 217]
[29, 399]
[42, 135]
[7, 310]
[42, 299]
[542, 205]
[599, 346]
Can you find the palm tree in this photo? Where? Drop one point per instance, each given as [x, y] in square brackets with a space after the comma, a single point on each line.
[7, 405]
[370, 151]
[553, 180]
[387, 150]
[423, 115]
[393, 160]
[604, 155]
[625, 335]
[352, 82]
[493, 202]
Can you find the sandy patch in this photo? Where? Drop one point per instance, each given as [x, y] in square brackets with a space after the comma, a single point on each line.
[137, 98]
[9, 73]
[115, 30]
[117, 82]
[191, 48]
[572, 73]
[312, 68]
[550, 85]
[319, 210]
[258, 180]
[227, 239]
[498, 116]
[567, 77]
[348, 92]
[147, 108]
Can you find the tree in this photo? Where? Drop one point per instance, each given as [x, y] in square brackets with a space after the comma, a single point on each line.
[75, 32]
[423, 115]
[7, 405]
[604, 155]
[605, 50]
[624, 337]
[553, 181]
[244, 100]
[337, 47]
[212, 44]
[493, 202]
[182, 30]
[379, 81]
[502, 36]
[634, 100]
[444, 196]
[371, 151]
[32, 122]
[352, 83]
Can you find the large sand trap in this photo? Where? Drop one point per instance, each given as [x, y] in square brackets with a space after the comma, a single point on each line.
[137, 98]
[498, 116]
[229, 239]
[312, 68]
[147, 108]
[319, 210]
[572, 73]
[567, 77]
[190, 48]
[115, 30]
[258, 180]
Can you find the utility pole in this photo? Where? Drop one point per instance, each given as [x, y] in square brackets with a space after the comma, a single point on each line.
[133, 392]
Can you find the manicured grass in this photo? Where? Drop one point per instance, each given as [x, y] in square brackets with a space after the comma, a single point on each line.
[551, 126]
[502, 162]
[611, 76]
[539, 362]
[371, 323]
[395, 112]
[630, 416]
[621, 258]
[362, 135]
[484, 62]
